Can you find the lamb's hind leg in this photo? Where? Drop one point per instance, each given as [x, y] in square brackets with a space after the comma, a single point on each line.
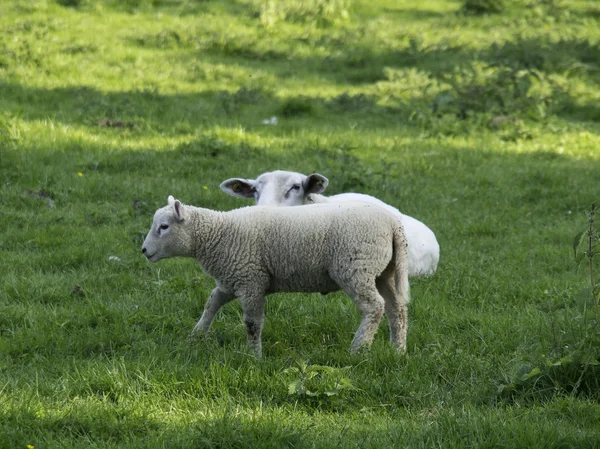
[371, 305]
[253, 307]
[395, 309]
[217, 299]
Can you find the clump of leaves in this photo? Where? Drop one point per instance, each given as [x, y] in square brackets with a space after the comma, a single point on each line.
[478, 94]
[575, 366]
[318, 384]
[501, 90]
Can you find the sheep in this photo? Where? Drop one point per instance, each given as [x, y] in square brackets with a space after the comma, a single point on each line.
[255, 251]
[285, 188]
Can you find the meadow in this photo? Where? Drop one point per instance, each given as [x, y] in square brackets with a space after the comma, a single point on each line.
[482, 124]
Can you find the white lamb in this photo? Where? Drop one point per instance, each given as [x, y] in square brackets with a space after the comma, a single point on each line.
[255, 251]
[285, 188]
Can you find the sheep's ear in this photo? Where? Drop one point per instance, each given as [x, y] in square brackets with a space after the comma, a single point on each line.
[315, 183]
[170, 200]
[178, 210]
[242, 188]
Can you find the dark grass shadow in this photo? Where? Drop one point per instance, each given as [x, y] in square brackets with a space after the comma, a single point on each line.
[117, 424]
[170, 7]
[129, 110]
[565, 55]
[414, 13]
[144, 111]
[140, 112]
[352, 60]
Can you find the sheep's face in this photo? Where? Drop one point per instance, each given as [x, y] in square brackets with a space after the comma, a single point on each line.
[278, 188]
[168, 236]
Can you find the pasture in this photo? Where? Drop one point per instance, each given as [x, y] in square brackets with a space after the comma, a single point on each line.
[483, 126]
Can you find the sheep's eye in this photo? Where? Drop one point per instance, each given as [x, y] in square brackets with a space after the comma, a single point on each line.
[295, 187]
[163, 227]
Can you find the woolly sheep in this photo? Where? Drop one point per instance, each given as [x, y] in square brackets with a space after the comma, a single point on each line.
[285, 188]
[255, 251]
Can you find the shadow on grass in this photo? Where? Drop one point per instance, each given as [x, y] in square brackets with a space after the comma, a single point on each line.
[127, 428]
[140, 111]
[88, 106]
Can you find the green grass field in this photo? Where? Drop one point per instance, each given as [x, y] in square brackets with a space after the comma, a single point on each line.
[485, 127]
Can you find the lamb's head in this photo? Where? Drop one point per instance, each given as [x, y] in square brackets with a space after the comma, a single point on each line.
[277, 188]
[170, 234]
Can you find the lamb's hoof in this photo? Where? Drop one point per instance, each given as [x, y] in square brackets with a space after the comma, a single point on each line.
[363, 350]
[401, 349]
[196, 336]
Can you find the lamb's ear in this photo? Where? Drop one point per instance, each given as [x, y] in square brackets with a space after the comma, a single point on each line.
[242, 188]
[178, 210]
[315, 183]
[170, 200]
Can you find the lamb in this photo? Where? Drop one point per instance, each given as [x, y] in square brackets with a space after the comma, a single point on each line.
[284, 188]
[255, 251]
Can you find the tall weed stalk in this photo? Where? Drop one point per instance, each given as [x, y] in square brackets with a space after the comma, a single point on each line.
[575, 366]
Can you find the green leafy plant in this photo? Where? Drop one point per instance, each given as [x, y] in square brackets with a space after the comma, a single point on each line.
[575, 365]
[318, 383]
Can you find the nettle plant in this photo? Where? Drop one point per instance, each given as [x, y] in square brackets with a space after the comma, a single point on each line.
[574, 367]
[586, 249]
[323, 385]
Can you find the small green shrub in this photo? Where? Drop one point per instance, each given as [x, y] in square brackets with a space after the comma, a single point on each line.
[493, 91]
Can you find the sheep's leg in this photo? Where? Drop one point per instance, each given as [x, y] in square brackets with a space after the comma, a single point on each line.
[371, 305]
[217, 299]
[395, 310]
[254, 318]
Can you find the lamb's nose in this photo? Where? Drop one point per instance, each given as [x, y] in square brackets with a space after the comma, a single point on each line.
[144, 250]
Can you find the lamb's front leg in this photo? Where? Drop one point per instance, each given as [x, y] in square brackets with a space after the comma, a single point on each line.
[254, 318]
[217, 299]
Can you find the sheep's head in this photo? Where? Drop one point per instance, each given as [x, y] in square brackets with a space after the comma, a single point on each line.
[168, 236]
[278, 188]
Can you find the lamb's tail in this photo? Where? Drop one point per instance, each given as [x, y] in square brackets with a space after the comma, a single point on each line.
[398, 312]
[401, 265]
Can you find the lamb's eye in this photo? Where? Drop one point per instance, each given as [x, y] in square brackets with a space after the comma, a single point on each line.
[295, 187]
[163, 227]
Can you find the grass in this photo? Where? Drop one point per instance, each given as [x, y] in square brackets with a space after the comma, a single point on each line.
[483, 127]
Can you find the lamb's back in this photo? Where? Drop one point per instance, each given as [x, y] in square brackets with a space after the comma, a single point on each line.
[301, 248]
